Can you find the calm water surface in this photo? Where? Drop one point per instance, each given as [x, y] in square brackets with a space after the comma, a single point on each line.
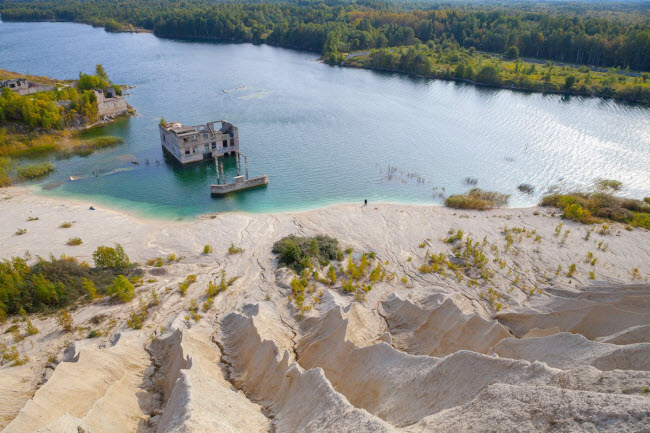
[323, 134]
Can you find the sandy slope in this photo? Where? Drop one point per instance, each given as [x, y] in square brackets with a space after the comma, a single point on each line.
[422, 352]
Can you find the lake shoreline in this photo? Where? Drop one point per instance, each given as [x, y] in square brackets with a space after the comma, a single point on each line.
[567, 93]
[321, 58]
[31, 194]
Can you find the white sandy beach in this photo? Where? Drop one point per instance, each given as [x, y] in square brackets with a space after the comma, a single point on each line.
[422, 352]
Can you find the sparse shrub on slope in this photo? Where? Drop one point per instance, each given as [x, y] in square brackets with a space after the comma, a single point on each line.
[48, 284]
[589, 208]
[477, 198]
[111, 258]
[122, 289]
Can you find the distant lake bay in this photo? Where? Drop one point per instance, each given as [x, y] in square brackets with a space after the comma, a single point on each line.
[323, 134]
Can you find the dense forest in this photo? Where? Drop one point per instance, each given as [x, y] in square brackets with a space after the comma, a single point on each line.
[593, 36]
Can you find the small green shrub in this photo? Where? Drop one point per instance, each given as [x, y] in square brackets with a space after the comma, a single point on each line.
[607, 185]
[572, 270]
[232, 249]
[20, 232]
[296, 251]
[111, 258]
[31, 329]
[207, 249]
[64, 319]
[575, 212]
[137, 318]
[66, 225]
[478, 199]
[94, 334]
[331, 275]
[122, 289]
[74, 241]
[90, 289]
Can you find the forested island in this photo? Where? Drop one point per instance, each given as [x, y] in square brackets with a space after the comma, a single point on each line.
[603, 48]
[39, 115]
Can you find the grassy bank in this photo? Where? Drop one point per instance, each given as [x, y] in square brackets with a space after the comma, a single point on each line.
[468, 65]
[20, 144]
[8, 75]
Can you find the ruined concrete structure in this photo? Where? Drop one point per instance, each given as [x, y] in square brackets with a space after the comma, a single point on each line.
[109, 104]
[24, 87]
[195, 143]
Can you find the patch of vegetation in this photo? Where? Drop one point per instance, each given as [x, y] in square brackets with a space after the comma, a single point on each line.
[136, 318]
[454, 236]
[74, 241]
[20, 232]
[10, 354]
[572, 270]
[65, 225]
[30, 328]
[608, 185]
[591, 208]
[34, 171]
[194, 310]
[48, 284]
[122, 289]
[232, 249]
[297, 252]
[477, 198]
[17, 143]
[111, 258]
[65, 321]
[89, 288]
[207, 249]
[156, 261]
[184, 285]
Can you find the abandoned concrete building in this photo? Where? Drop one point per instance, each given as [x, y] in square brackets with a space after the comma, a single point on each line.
[109, 103]
[22, 86]
[195, 143]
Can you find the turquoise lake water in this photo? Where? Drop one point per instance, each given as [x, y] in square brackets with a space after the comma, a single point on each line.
[323, 134]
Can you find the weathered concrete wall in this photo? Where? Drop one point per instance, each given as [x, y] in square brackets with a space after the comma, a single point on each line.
[34, 89]
[111, 107]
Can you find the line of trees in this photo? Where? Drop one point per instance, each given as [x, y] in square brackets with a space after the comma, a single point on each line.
[611, 38]
[454, 62]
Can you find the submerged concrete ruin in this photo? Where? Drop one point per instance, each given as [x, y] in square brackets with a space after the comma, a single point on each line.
[195, 143]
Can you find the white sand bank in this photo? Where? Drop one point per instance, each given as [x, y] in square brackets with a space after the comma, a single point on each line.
[422, 352]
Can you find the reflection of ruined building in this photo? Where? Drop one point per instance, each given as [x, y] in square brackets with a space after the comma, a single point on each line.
[109, 104]
[195, 143]
[24, 87]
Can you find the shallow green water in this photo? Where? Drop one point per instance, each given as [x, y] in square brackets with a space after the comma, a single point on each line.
[323, 134]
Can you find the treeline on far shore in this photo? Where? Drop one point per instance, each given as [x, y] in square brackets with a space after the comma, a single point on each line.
[606, 36]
